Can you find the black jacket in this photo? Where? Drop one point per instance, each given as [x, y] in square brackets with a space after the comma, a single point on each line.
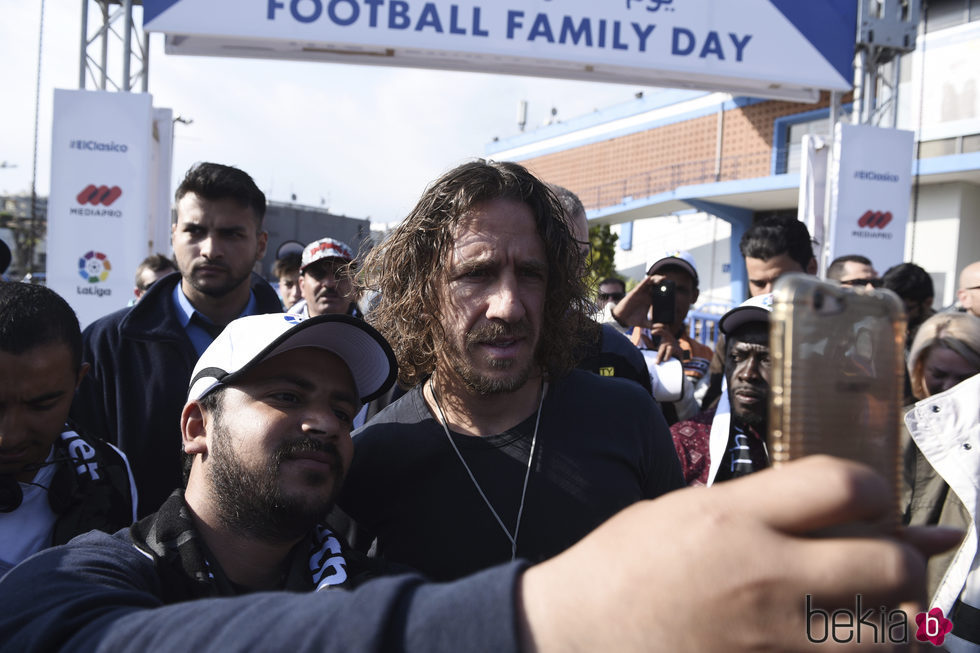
[141, 362]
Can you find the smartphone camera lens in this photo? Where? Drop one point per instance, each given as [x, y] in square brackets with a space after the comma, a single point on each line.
[818, 300]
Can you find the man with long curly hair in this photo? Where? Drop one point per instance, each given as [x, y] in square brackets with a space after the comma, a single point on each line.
[498, 450]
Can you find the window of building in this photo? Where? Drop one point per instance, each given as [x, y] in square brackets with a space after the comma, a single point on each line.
[941, 14]
[790, 131]
[938, 147]
[971, 143]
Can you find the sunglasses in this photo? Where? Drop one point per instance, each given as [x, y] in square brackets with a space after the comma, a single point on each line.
[611, 296]
[875, 283]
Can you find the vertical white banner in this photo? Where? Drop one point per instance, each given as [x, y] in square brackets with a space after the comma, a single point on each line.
[872, 182]
[97, 209]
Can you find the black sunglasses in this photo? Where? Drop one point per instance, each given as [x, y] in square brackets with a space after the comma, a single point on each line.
[614, 296]
[875, 283]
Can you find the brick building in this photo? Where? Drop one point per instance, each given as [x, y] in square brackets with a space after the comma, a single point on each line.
[692, 170]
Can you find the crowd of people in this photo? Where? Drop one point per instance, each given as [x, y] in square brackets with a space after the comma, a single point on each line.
[183, 473]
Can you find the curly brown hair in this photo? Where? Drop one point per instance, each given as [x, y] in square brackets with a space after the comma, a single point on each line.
[409, 266]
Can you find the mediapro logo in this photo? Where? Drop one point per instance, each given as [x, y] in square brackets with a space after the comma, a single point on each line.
[875, 219]
[96, 195]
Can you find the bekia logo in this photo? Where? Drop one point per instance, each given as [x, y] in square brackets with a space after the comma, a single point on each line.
[94, 267]
[96, 195]
[843, 626]
[881, 626]
[933, 627]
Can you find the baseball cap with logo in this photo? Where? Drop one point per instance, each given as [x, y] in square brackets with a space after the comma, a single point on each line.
[754, 309]
[682, 260]
[248, 341]
[325, 248]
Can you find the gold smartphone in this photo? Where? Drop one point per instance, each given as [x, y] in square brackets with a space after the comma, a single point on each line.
[837, 370]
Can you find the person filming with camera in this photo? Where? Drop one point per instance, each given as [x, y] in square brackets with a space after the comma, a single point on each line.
[654, 311]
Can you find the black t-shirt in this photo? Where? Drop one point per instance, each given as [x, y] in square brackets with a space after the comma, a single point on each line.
[602, 445]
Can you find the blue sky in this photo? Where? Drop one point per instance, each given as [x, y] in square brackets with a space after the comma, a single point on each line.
[363, 140]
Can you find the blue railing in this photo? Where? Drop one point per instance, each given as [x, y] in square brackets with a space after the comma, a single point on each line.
[702, 322]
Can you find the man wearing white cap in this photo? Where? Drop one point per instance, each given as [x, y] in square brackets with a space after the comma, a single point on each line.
[267, 426]
[666, 336]
[729, 440]
[266, 438]
[324, 279]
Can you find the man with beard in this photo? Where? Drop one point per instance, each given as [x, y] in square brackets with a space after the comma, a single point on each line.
[728, 441]
[499, 450]
[142, 356]
[324, 279]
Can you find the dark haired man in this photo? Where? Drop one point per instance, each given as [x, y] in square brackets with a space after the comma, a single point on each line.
[496, 452]
[773, 247]
[54, 483]
[853, 270]
[728, 441]
[153, 267]
[611, 292]
[142, 356]
[914, 287]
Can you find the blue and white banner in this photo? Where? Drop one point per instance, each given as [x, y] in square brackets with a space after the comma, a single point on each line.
[97, 209]
[871, 177]
[767, 48]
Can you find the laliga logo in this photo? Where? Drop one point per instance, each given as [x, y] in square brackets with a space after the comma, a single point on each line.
[875, 219]
[96, 195]
[94, 267]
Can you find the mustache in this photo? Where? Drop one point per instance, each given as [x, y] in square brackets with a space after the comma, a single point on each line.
[299, 446]
[211, 264]
[753, 389]
[497, 330]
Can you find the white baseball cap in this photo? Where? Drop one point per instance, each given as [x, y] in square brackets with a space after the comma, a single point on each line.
[248, 341]
[682, 260]
[754, 309]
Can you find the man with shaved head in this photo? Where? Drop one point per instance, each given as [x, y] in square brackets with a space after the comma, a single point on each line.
[969, 292]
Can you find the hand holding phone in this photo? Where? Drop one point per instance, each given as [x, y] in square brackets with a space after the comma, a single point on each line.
[662, 302]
